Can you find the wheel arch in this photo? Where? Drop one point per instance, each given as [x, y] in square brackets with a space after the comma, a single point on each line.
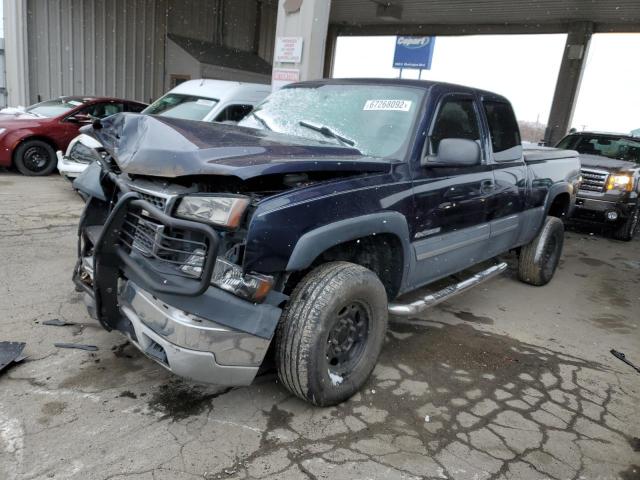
[374, 230]
[27, 138]
[559, 201]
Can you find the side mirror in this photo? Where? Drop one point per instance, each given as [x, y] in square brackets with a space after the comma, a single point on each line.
[80, 118]
[454, 152]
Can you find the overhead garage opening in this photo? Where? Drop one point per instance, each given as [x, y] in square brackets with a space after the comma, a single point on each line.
[576, 20]
[524, 68]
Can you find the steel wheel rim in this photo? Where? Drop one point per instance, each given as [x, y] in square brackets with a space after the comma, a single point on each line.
[36, 158]
[347, 338]
[549, 255]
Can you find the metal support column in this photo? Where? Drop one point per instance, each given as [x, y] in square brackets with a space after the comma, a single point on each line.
[574, 60]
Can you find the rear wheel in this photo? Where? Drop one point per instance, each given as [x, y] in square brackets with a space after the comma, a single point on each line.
[35, 158]
[628, 229]
[331, 333]
[539, 259]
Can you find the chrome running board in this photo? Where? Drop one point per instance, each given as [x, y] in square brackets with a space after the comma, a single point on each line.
[446, 293]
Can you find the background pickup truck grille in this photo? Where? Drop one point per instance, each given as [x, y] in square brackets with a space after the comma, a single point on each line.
[593, 180]
[169, 251]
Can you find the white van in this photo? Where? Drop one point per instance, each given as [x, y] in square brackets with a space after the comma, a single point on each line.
[202, 100]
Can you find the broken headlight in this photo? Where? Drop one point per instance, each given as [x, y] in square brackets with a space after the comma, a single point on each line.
[216, 210]
[252, 286]
[229, 276]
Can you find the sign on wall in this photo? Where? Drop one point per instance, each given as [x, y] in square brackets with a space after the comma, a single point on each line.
[414, 52]
[288, 50]
[282, 76]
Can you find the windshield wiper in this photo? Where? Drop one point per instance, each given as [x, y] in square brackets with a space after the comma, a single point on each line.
[327, 132]
[262, 121]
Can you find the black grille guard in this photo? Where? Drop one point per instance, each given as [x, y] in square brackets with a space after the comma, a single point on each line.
[110, 258]
[109, 244]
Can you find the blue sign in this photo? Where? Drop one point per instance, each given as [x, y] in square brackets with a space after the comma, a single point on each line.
[414, 52]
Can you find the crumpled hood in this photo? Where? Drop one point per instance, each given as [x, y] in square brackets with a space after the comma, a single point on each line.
[168, 147]
[606, 163]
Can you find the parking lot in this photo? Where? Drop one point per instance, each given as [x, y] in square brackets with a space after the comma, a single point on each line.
[506, 381]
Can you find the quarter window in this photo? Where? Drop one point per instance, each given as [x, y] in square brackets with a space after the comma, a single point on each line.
[503, 127]
[456, 119]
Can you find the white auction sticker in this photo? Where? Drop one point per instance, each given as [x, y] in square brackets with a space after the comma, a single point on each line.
[205, 102]
[396, 105]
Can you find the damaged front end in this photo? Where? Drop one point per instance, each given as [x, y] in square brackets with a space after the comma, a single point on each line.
[170, 284]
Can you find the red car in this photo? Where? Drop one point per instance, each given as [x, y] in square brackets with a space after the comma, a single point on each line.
[29, 139]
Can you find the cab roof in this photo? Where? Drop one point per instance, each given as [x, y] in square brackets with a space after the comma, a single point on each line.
[422, 84]
[221, 89]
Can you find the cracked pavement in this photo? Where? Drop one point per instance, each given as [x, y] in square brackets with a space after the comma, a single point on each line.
[507, 381]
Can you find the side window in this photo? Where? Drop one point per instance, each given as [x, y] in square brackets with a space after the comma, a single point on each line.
[233, 113]
[135, 107]
[456, 118]
[505, 134]
[101, 110]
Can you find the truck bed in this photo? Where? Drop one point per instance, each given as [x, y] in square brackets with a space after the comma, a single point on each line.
[536, 154]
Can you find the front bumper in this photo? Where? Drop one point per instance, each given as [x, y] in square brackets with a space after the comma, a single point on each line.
[195, 330]
[68, 168]
[190, 346]
[595, 209]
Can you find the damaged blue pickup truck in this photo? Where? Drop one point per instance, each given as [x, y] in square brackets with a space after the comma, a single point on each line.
[291, 236]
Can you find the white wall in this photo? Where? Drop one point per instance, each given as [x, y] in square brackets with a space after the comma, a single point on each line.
[179, 62]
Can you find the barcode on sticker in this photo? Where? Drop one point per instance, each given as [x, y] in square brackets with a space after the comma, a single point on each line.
[397, 105]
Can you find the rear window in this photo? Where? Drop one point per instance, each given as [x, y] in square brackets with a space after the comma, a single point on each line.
[505, 134]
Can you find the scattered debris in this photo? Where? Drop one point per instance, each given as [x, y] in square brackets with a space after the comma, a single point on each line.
[56, 322]
[79, 346]
[623, 357]
[427, 418]
[11, 352]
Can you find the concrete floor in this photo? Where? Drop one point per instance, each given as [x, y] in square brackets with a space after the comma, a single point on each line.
[507, 381]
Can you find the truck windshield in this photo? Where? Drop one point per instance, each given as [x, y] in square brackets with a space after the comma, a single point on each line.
[187, 107]
[377, 120]
[620, 148]
[53, 108]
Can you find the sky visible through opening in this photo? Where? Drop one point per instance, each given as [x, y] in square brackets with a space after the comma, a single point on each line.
[524, 68]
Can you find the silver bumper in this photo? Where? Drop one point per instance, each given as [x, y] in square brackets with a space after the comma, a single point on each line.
[69, 168]
[189, 346]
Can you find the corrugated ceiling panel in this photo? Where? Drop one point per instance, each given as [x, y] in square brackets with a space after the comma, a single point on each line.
[458, 12]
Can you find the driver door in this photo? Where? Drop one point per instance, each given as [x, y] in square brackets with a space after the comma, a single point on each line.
[451, 218]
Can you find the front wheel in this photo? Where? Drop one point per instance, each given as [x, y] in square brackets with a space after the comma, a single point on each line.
[35, 158]
[331, 333]
[539, 258]
[627, 230]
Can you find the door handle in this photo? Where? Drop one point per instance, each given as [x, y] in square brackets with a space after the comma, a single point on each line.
[487, 186]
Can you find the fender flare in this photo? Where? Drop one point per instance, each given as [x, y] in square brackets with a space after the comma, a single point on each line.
[316, 241]
[555, 190]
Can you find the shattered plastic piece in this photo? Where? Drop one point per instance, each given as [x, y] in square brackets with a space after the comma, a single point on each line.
[623, 357]
[79, 346]
[11, 352]
[56, 322]
[427, 418]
